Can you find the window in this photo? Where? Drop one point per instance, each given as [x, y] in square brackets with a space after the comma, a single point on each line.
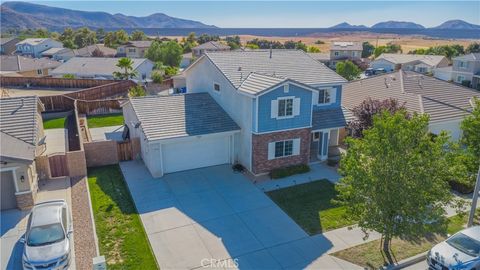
[462, 64]
[460, 78]
[336, 53]
[39, 72]
[216, 87]
[323, 96]
[316, 136]
[283, 148]
[131, 50]
[422, 69]
[285, 107]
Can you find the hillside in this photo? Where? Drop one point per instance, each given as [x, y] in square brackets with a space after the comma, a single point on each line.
[397, 24]
[458, 24]
[27, 15]
[346, 25]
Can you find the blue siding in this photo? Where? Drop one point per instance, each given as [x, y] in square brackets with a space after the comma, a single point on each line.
[267, 124]
[338, 99]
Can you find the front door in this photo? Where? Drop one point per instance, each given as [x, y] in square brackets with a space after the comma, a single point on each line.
[323, 145]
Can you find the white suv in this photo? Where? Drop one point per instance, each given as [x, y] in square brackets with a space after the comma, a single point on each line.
[47, 239]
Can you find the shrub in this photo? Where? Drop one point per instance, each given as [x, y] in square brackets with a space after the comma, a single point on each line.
[157, 76]
[68, 76]
[137, 91]
[171, 71]
[461, 187]
[290, 170]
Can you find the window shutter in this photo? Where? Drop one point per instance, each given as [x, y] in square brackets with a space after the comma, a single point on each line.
[274, 109]
[296, 146]
[333, 95]
[271, 150]
[296, 106]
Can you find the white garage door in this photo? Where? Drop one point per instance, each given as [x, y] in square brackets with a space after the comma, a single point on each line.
[198, 153]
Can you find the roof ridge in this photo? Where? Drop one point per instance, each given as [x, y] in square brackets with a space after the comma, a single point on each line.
[402, 87]
[420, 100]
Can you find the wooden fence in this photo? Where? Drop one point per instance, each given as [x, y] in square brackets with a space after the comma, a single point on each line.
[124, 150]
[58, 165]
[114, 89]
[52, 82]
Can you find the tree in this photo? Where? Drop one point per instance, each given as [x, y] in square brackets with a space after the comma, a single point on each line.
[191, 37]
[395, 179]
[313, 49]
[169, 53]
[366, 110]
[234, 42]
[136, 91]
[84, 37]
[68, 76]
[367, 49]
[138, 35]
[157, 76]
[348, 70]
[252, 46]
[471, 129]
[389, 48]
[473, 48]
[121, 37]
[126, 64]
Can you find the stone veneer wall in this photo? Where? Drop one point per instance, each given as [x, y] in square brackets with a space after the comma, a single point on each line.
[26, 200]
[260, 162]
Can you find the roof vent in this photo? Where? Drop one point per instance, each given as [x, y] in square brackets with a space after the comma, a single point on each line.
[420, 81]
[387, 83]
[270, 50]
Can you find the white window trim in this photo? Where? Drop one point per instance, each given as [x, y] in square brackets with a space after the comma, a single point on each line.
[295, 148]
[293, 109]
[333, 96]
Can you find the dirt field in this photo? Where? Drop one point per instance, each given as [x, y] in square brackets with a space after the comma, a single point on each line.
[21, 92]
[408, 43]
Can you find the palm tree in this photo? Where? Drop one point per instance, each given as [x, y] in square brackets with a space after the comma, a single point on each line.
[127, 65]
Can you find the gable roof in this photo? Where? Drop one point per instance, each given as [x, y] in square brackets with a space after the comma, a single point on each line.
[320, 56]
[468, 57]
[52, 51]
[442, 100]
[139, 43]
[288, 64]
[18, 117]
[165, 117]
[87, 51]
[32, 41]
[5, 40]
[212, 45]
[16, 149]
[104, 66]
[256, 83]
[346, 46]
[397, 58]
[20, 63]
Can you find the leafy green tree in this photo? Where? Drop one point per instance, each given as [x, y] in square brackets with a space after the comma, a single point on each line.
[233, 42]
[126, 64]
[42, 33]
[138, 35]
[395, 179]
[313, 49]
[266, 44]
[368, 49]
[204, 38]
[169, 53]
[290, 44]
[348, 70]
[100, 33]
[191, 38]
[137, 91]
[157, 76]
[389, 48]
[471, 129]
[252, 46]
[67, 38]
[121, 37]
[171, 71]
[84, 37]
[473, 48]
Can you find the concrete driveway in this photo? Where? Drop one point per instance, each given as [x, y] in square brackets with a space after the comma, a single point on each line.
[14, 223]
[215, 218]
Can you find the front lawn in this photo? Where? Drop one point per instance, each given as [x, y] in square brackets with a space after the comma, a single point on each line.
[310, 205]
[120, 233]
[105, 120]
[370, 256]
[54, 123]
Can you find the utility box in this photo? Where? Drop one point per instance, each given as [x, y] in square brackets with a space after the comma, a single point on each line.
[99, 263]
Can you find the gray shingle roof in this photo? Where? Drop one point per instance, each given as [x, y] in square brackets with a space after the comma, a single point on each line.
[140, 43]
[14, 148]
[256, 83]
[291, 64]
[468, 57]
[32, 41]
[397, 58]
[176, 116]
[330, 118]
[18, 117]
[20, 63]
[212, 45]
[422, 94]
[92, 66]
[320, 56]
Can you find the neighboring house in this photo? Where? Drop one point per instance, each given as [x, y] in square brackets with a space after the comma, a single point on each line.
[446, 103]
[26, 66]
[341, 51]
[134, 49]
[22, 140]
[410, 62]
[211, 46]
[285, 108]
[466, 70]
[443, 73]
[34, 47]
[101, 68]
[321, 57]
[8, 45]
[65, 54]
[187, 59]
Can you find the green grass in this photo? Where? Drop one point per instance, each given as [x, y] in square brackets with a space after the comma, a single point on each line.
[54, 123]
[105, 120]
[370, 256]
[120, 233]
[310, 205]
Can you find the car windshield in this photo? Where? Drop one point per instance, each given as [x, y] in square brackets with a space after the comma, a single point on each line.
[465, 244]
[45, 235]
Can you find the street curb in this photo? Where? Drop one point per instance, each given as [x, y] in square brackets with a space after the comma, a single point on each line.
[407, 262]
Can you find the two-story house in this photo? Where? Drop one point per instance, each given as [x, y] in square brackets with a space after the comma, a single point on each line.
[409, 62]
[134, 49]
[275, 109]
[34, 47]
[466, 70]
[341, 51]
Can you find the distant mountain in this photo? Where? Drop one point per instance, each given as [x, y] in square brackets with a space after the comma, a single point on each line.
[397, 25]
[457, 24]
[346, 25]
[27, 15]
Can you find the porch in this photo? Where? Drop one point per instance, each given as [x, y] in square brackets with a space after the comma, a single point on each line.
[327, 143]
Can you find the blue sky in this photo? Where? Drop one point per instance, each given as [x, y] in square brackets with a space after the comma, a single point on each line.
[291, 14]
